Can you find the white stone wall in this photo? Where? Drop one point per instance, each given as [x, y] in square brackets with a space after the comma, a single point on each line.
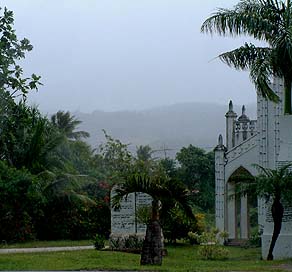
[123, 220]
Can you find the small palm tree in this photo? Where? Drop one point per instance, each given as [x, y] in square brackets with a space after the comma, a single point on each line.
[67, 123]
[162, 190]
[275, 186]
[265, 20]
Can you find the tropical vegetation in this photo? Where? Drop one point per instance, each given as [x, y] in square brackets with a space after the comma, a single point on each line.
[54, 186]
[268, 21]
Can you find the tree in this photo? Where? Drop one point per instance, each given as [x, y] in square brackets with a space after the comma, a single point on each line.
[265, 20]
[12, 50]
[20, 204]
[26, 137]
[162, 190]
[144, 153]
[114, 159]
[276, 187]
[67, 124]
[197, 172]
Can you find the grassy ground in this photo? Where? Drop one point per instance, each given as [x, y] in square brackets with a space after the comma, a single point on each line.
[180, 258]
[60, 243]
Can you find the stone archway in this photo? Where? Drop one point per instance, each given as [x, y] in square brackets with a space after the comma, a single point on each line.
[240, 209]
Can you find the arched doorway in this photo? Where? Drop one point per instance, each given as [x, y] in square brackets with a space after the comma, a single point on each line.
[241, 210]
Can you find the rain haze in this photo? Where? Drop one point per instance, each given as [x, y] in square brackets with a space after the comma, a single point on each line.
[126, 55]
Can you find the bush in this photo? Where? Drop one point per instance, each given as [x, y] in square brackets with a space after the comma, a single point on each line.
[176, 224]
[213, 252]
[126, 243]
[98, 242]
[255, 239]
[209, 248]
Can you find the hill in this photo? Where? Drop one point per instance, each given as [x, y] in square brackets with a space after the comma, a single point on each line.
[166, 128]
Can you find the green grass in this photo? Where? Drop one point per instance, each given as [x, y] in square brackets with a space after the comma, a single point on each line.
[60, 243]
[180, 258]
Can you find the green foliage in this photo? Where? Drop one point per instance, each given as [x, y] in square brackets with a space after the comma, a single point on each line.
[11, 51]
[197, 172]
[114, 159]
[99, 242]
[67, 125]
[20, 204]
[126, 243]
[268, 21]
[210, 249]
[255, 239]
[213, 252]
[44, 165]
[144, 153]
[143, 214]
[26, 137]
[176, 224]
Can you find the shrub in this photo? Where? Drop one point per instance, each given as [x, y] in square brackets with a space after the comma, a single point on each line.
[99, 241]
[213, 252]
[131, 242]
[255, 239]
[209, 248]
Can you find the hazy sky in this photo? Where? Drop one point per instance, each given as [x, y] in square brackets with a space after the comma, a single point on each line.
[126, 54]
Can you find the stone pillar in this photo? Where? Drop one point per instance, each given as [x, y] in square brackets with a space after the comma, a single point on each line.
[220, 184]
[231, 213]
[244, 218]
[230, 119]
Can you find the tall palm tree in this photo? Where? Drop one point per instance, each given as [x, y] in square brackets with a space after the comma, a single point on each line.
[275, 186]
[162, 190]
[269, 21]
[67, 123]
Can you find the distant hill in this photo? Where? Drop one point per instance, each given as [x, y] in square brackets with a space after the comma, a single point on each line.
[166, 127]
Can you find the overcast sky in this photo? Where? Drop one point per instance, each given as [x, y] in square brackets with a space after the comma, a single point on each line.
[126, 54]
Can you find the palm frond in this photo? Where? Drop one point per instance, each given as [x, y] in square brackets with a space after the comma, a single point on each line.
[251, 17]
[244, 57]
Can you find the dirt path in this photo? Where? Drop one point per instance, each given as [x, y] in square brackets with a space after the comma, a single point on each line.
[43, 249]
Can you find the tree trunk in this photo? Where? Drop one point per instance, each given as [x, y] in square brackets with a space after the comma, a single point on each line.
[152, 245]
[277, 214]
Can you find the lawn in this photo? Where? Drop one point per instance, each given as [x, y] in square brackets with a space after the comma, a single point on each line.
[180, 258]
[60, 243]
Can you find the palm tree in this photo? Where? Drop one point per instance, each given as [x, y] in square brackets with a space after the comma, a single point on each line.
[162, 190]
[269, 21]
[275, 186]
[67, 123]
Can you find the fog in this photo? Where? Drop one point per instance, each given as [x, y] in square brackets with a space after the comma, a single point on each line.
[126, 54]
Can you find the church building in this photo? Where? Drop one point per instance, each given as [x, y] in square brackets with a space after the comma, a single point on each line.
[267, 142]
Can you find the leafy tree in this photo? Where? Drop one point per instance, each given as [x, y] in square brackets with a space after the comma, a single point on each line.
[11, 51]
[26, 138]
[20, 205]
[144, 153]
[276, 187]
[67, 124]
[197, 172]
[114, 159]
[162, 190]
[170, 167]
[264, 20]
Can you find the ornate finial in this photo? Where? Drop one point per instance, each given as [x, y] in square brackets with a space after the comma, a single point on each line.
[220, 140]
[230, 105]
[243, 110]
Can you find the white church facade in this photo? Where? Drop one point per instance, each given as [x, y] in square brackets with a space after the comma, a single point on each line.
[266, 141]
